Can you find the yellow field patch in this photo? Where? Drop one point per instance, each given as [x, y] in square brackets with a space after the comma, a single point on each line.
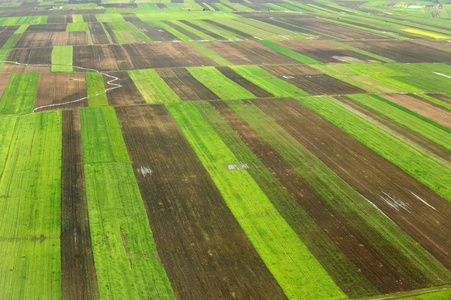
[433, 35]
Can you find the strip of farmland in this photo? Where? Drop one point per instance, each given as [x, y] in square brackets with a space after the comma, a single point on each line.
[277, 244]
[127, 94]
[6, 33]
[403, 199]
[350, 237]
[30, 203]
[203, 30]
[78, 278]
[19, 95]
[251, 87]
[95, 88]
[152, 87]
[195, 85]
[62, 59]
[182, 30]
[202, 246]
[233, 30]
[126, 260]
[98, 35]
[58, 88]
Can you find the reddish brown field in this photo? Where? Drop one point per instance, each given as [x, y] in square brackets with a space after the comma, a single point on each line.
[203, 30]
[4, 79]
[393, 191]
[50, 39]
[248, 53]
[240, 80]
[128, 94]
[403, 51]
[422, 107]
[312, 81]
[98, 34]
[324, 51]
[205, 252]
[78, 274]
[408, 135]
[55, 88]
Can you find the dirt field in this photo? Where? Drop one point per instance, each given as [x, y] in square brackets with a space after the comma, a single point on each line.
[403, 51]
[183, 30]
[203, 30]
[195, 85]
[205, 252]
[89, 18]
[28, 56]
[324, 51]
[313, 81]
[50, 39]
[128, 94]
[4, 79]
[5, 33]
[46, 28]
[248, 53]
[98, 34]
[110, 33]
[155, 33]
[393, 191]
[410, 135]
[236, 31]
[54, 88]
[60, 19]
[422, 107]
[183, 91]
[251, 87]
[78, 274]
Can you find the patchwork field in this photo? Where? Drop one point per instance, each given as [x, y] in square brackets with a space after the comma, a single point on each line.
[277, 149]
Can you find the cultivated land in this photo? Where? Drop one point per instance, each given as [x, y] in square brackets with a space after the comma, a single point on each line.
[270, 149]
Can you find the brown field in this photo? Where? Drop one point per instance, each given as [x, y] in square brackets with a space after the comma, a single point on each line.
[89, 18]
[403, 51]
[243, 82]
[60, 19]
[128, 94]
[28, 56]
[50, 39]
[205, 252]
[5, 33]
[55, 88]
[110, 33]
[46, 28]
[195, 85]
[203, 30]
[312, 81]
[130, 17]
[422, 107]
[393, 191]
[407, 135]
[139, 56]
[155, 33]
[182, 30]
[248, 53]
[324, 51]
[183, 91]
[228, 28]
[98, 34]
[78, 274]
[4, 79]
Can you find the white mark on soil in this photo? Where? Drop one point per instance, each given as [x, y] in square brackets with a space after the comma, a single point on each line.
[375, 206]
[109, 82]
[441, 74]
[394, 202]
[240, 166]
[144, 171]
[422, 200]
[288, 77]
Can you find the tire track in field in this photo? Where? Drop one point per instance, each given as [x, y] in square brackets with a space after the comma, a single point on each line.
[109, 82]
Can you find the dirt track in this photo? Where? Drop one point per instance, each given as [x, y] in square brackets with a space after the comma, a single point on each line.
[205, 252]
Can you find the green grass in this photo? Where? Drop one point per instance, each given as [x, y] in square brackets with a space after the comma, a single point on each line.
[125, 255]
[437, 133]
[77, 19]
[269, 82]
[30, 197]
[62, 59]
[424, 169]
[96, 89]
[289, 260]
[290, 53]
[220, 84]
[152, 87]
[19, 94]
[126, 32]
[31, 20]
[77, 26]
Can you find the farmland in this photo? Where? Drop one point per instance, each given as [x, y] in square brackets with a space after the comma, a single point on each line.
[277, 149]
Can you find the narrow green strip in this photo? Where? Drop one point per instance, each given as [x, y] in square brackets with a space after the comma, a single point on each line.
[152, 87]
[290, 53]
[62, 59]
[210, 54]
[96, 89]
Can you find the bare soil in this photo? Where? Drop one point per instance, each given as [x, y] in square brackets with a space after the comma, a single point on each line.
[205, 252]
[89, 18]
[228, 28]
[203, 30]
[195, 85]
[54, 88]
[184, 92]
[50, 39]
[78, 274]
[422, 107]
[5, 33]
[392, 190]
[98, 34]
[243, 82]
[183, 30]
[110, 33]
[128, 94]
[55, 19]
[46, 28]
[155, 33]
[4, 79]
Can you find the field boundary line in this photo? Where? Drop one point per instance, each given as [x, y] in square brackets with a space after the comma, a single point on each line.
[109, 82]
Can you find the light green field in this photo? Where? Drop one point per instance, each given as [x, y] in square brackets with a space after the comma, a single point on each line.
[20, 94]
[62, 59]
[96, 89]
[152, 87]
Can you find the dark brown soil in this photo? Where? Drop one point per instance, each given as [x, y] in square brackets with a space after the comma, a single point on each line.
[5, 33]
[31, 56]
[313, 81]
[60, 19]
[184, 92]
[248, 53]
[236, 31]
[55, 88]
[250, 86]
[155, 33]
[393, 191]
[98, 34]
[195, 85]
[182, 30]
[128, 94]
[89, 18]
[46, 28]
[50, 39]
[110, 33]
[130, 17]
[407, 133]
[205, 252]
[78, 274]
[203, 30]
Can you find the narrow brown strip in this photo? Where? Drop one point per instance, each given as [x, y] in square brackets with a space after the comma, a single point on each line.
[184, 92]
[78, 274]
[110, 33]
[205, 252]
[127, 94]
[195, 85]
[203, 30]
[350, 240]
[240, 80]
[228, 28]
[98, 34]
[183, 30]
[409, 203]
